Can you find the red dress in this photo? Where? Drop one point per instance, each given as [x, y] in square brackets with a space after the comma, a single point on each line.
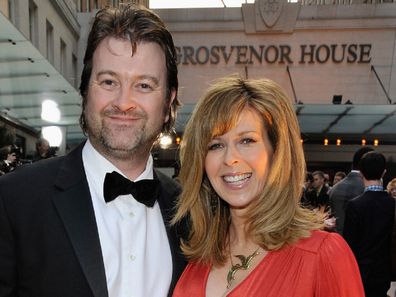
[319, 266]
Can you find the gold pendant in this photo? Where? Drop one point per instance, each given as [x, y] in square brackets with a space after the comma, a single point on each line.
[245, 264]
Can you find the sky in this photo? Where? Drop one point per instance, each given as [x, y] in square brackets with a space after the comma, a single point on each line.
[196, 3]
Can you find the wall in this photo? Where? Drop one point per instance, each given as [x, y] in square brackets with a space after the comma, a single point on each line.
[365, 32]
[47, 10]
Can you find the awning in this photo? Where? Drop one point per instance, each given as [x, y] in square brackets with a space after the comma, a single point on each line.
[27, 79]
[349, 122]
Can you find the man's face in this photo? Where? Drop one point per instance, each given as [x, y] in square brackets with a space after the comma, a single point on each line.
[44, 147]
[337, 179]
[126, 105]
[317, 182]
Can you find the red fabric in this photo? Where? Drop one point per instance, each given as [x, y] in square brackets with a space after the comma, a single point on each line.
[320, 266]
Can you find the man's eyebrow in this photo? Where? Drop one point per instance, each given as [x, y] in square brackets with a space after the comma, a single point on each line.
[108, 72]
[154, 79]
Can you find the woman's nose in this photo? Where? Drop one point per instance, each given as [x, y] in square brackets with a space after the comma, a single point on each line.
[231, 156]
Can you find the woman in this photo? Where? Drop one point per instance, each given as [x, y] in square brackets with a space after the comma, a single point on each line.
[391, 188]
[242, 171]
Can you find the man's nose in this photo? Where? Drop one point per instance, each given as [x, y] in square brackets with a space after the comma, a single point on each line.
[126, 99]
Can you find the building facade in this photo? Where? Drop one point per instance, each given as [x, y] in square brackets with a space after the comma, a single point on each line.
[334, 58]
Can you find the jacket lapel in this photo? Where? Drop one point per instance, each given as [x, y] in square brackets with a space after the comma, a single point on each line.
[74, 205]
[166, 200]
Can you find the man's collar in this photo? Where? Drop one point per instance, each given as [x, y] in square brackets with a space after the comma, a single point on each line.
[100, 164]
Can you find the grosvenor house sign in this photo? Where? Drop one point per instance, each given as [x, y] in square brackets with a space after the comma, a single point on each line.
[314, 49]
[274, 54]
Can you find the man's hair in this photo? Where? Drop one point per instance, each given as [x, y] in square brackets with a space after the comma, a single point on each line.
[309, 177]
[340, 173]
[358, 155]
[41, 141]
[320, 173]
[372, 165]
[8, 150]
[136, 24]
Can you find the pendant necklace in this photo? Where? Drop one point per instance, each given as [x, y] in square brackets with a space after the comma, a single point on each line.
[245, 264]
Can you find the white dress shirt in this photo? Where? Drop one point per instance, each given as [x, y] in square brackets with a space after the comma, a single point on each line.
[133, 237]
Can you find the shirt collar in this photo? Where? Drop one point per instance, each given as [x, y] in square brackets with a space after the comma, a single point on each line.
[99, 165]
[374, 188]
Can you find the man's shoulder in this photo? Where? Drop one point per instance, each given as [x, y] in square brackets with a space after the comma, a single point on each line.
[370, 200]
[31, 171]
[352, 184]
[370, 195]
[367, 197]
[41, 172]
[168, 184]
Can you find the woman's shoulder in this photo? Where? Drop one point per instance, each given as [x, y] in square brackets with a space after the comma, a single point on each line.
[321, 240]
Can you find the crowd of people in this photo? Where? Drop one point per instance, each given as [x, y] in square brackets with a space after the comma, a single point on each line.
[362, 209]
[12, 155]
[244, 218]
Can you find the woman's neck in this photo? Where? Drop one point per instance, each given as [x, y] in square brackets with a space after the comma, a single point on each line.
[239, 239]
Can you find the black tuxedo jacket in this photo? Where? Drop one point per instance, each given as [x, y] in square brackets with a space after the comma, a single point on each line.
[49, 243]
[314, 200]
[368, 228]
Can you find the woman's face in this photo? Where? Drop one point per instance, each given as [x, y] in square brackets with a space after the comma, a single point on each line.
[237, 162]
[392, 192]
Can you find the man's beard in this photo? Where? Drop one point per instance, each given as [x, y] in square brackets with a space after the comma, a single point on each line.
[122, 141]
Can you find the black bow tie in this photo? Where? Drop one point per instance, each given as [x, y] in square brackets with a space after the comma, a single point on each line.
[145, 191]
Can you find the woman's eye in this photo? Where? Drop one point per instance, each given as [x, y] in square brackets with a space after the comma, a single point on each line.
[214, 146]
[247, 140]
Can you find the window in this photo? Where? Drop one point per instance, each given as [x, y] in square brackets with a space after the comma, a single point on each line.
[33, 23]
[63, 58]
[74, 65]
[11, 11]
[50, 42]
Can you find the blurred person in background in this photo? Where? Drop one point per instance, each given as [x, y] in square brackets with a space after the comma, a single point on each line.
[42, 150]
[317, 196]
[368, 226]
[306, 188]
[391, 188]
[10, 156]
[339, 176]
[347, 189]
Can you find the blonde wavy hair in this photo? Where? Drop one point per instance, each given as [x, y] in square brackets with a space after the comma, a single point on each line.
[391, 185]
[275, 218]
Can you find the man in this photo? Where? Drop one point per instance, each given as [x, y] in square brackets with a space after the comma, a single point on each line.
[318, 197]
[42, 150]
[61, 234]
[350, 187]
[307, 187]
[368, 227]
[9, 155]
[339, 176]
